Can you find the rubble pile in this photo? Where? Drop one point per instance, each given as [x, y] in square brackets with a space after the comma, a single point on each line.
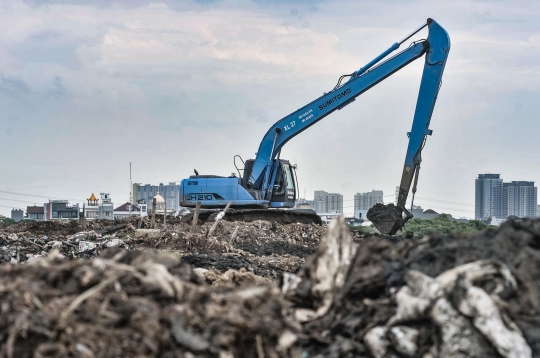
[139, 304]
[265, 248]
[437, 296]
[269, 290]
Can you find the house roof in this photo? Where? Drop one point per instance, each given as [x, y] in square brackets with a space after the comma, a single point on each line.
[124, 207]
[429, 211]
[34, 209]
[92, 197]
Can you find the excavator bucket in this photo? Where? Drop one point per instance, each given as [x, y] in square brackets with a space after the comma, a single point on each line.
[388, 219]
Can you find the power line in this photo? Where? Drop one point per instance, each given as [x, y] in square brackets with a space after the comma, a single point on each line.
[39, 196]
[11, 207]
[445, 201]
[20, 201]
[41, 187]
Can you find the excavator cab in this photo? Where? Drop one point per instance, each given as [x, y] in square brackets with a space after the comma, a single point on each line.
[283, 190]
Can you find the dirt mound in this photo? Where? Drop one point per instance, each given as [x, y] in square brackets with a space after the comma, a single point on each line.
[127, 304]
[340, 295]
[434, 297]
[276, 216]
[224, 262]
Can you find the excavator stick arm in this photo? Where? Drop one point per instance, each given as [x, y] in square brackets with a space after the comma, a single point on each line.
[436, 56]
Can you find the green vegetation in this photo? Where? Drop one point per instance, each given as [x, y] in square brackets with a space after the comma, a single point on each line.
[8, 221]
[367, 229]
[442, 225]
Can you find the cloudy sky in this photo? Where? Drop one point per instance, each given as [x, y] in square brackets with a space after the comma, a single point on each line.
[88, 86]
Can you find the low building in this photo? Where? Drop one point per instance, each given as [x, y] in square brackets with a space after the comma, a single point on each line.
[91, 210]
[127, 210]
[60, 209]
[353, 221]
[360, 214]
[17, 215]
[326, 218]
[419, 213]
[99, 208]
[35, 213]
[493, 221]
[106, 208]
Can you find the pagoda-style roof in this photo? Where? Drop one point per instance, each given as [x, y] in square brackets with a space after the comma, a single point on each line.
[92, 197]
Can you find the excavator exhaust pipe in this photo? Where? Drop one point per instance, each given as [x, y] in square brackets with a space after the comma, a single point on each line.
[388, 219]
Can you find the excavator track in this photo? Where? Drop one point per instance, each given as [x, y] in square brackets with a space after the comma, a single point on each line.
[280, 216]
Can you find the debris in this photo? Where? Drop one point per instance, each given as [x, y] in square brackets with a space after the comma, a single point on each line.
[218, 218]
[111, 229]
[466, 296]
[126, 304]
[148, 233]
[114, 243]
[86, 246]
[274, 290]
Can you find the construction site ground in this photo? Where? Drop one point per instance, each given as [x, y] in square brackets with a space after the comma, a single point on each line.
[264, 289]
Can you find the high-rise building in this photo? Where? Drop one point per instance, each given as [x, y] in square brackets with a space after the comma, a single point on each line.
[324, 202]
[334, 203]
[520, 199]
[364, 201]
[488, 196]
[145, 193]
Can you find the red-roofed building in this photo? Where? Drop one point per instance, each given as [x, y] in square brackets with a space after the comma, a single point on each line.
[128, 209]
[35, 213]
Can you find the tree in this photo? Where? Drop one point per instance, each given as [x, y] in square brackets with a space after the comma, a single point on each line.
[442, 225]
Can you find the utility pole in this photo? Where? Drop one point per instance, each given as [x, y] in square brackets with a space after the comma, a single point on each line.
[130, 186]
[83, 219]
[153, 213]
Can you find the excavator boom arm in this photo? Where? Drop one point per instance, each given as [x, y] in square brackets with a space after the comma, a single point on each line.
[436, 48]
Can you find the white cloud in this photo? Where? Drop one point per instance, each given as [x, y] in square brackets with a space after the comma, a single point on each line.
[206, 80]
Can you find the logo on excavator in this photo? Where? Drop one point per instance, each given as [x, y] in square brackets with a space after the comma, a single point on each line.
[333, 99]
[198, 197]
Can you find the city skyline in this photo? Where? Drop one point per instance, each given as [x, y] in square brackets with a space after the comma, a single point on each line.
[337, 203]
[87, 87]
[499, 199]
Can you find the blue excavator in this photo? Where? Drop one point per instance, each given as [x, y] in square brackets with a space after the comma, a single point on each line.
[267, 187]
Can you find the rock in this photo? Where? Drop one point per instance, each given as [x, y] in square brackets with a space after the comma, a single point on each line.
[147, 233]
[56, 244]
[86, 246]
[114, 243]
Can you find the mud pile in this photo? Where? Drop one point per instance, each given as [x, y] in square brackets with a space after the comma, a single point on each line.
[136, 304]
[267, 290]
[437, 296]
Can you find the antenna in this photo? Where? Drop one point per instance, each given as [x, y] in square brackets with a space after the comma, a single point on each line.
[130, 185]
